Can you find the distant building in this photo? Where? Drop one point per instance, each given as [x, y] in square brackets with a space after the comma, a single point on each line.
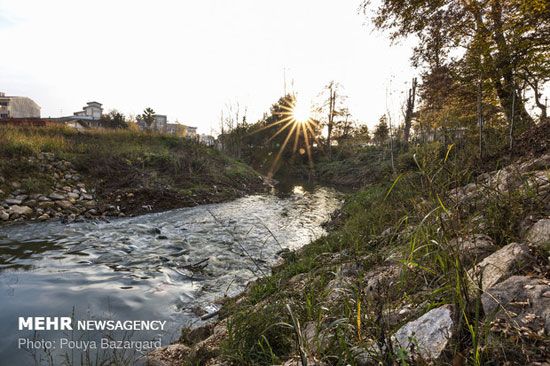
[160, 122]
[207, 140]
[176, 129]
[191, 132]
[18, 107]
[92, 111]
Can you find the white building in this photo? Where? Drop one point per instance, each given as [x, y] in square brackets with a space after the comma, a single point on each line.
[91, 111]
[18, 107]
[160, 122]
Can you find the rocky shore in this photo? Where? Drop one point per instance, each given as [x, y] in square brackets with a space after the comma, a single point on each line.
[73, 196]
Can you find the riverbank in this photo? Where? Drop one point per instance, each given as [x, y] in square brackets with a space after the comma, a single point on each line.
[445, 263]
[60, 173]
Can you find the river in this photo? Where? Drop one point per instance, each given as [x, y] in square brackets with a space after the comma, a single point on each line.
[169, 266]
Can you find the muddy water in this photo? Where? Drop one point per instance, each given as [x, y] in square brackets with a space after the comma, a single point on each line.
[167, 266]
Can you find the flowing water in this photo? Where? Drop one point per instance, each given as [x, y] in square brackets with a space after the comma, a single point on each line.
[168, 266]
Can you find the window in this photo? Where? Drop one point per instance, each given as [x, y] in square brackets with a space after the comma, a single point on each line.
[3, 115]
[4, 104]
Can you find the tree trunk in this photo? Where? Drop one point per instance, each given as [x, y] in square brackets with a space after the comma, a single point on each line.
[410, 110]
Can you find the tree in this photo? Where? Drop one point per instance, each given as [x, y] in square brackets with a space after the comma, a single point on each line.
[381, 131]
[333, 109]
[362, 134]
[114, 119]
[147, 117]
[509, 36]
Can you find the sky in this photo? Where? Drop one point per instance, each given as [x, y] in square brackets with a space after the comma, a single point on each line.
[189, 59]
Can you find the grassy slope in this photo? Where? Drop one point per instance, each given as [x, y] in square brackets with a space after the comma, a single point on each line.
[414, 203]
[154, 166]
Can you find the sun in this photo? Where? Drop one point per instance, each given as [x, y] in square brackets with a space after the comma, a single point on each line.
[297, 121]
[300, 112]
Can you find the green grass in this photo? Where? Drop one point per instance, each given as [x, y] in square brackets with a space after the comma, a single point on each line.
[423, 221]
[118, 157]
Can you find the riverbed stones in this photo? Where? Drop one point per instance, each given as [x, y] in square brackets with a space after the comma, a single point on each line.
[20, 210]
[499, 265]
[431, 333]
[73, 195]
[57, 196]
[521, 302]
[43, 217]
[64, 204]
[4, 216]
[13, 201]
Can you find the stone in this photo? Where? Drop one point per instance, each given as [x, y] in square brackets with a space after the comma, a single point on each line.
[168, 355]
[57, 196]
[381, 278]
[73, 195]
[64, 204]
[539, 234]
[199, 334]
[524, 299]
[13, 201]
[89, 203]
[67, 189]
[499, 265]
[87, 196]
[16, 185]
[472, 249]
[44, 217]
[541, 163]
[4, 216]
[432, 332]
[22, 197]
[20, 210]
[43, 199]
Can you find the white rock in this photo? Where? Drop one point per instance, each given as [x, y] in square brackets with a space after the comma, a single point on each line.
[498, 266]
[539, 233]
[432, 332]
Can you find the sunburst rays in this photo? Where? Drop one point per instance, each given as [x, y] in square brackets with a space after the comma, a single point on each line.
[296, 120]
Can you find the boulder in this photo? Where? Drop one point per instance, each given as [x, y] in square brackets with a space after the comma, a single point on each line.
[520, 301]
[431, 332]
[20, 210]
[539, 234]
[499, 265]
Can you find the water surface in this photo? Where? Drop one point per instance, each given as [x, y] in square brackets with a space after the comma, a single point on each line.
[148, 267]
